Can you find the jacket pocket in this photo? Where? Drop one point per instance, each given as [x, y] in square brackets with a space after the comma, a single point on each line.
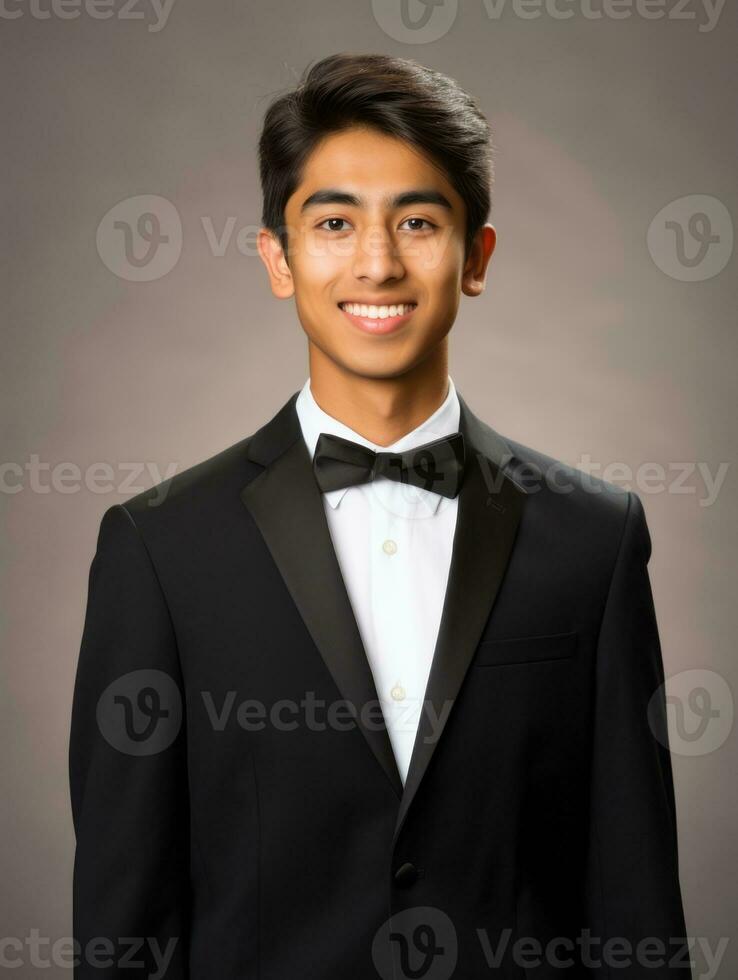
[526, 649]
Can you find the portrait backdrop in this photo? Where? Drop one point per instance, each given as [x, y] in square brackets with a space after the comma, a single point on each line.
[141, 336]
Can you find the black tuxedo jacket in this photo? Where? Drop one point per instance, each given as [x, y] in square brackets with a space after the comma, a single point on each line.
[236, 802]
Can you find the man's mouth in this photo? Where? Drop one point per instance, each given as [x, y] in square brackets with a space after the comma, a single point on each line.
[377, 319]
[375, 312]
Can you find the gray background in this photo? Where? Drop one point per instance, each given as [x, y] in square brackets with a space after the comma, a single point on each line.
[581, 345]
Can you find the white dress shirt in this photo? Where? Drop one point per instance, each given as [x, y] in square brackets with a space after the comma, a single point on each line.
[393, 543]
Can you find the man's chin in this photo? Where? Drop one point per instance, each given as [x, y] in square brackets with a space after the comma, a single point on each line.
[379, 368]
[371, 359]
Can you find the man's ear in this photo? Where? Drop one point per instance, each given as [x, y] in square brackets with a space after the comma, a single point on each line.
[273, 257]
[475, 269]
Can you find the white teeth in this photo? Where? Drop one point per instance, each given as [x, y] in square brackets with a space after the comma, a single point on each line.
[377, 312]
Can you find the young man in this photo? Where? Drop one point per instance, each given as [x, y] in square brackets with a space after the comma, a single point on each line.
[376, 691]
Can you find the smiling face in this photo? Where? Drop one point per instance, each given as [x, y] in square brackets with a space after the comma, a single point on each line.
[375, 254]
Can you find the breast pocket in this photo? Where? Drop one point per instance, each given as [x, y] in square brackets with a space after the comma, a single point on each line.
[526, 649]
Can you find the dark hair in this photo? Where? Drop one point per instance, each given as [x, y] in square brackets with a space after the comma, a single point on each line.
[397, 96]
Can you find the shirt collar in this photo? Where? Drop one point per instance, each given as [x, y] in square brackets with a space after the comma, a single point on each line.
[443, 422]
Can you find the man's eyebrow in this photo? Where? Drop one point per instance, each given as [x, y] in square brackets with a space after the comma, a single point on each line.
[332, 195]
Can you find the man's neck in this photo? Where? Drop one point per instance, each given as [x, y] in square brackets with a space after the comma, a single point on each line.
[382, 410]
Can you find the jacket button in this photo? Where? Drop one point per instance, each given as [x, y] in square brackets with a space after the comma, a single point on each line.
[406, 875]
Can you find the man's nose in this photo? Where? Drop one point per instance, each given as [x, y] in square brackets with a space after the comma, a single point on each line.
[378, 256]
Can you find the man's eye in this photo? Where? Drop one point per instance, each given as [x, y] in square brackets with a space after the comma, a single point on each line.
[335, 220]
[421, 220]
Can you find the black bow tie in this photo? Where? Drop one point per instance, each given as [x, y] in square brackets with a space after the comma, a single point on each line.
[436, 466]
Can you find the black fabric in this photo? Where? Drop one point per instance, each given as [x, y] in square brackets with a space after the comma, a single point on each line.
[270, 836]
[437, 466]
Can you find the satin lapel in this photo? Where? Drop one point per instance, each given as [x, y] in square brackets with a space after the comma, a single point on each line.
[288, 508]
[490, 507]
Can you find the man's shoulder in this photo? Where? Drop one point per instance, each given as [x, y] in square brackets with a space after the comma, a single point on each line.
[575, 494]
[574, 511]
[550, 481]
[202, 485]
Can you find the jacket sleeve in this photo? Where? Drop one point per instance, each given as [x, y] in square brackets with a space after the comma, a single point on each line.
[633, 898]
[127, 768]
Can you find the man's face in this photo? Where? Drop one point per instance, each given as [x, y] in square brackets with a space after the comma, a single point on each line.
[374, 223]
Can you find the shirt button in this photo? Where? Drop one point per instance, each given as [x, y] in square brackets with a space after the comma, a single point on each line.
[389, 547]
[398, 692]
